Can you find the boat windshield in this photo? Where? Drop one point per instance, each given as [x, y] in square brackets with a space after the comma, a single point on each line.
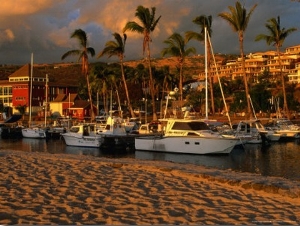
[190, 126]
[74, 129]
[284, 122]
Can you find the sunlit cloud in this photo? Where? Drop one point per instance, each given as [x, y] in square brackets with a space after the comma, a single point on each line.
[46, 25]
[23, 7]
[6, 36]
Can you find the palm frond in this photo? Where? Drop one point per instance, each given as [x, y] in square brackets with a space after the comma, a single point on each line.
[90, 51]
[189, 35]
[133, 26]
[75, 52]
[81, 36]
[276, 35]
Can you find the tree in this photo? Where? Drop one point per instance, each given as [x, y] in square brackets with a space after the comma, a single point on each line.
[276, 37]
[83, 53]
[177, 48]
[204, 22]
[238, 19]
[148, 24]
[109, 78]
[117, 48]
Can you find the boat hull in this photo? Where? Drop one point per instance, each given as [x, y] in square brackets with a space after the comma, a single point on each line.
[289, 134]
[33, 133]
[189, 145]
[11, 132]
[82, 141]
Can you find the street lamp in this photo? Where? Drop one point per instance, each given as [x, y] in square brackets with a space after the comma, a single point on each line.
[176, 89]
[171, 93]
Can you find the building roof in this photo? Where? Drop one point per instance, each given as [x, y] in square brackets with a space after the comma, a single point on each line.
[66, 98]
[59, 98]
[80, 104]
[25, 71]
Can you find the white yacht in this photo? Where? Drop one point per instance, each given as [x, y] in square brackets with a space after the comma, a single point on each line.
[115, 133]
[82, 135]
[187, 136]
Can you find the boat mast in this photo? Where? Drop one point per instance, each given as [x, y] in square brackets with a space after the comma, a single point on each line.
[110, 112]
[30, 90]
[252, 106]
[46, 101]
[221, 88]
[206, 85]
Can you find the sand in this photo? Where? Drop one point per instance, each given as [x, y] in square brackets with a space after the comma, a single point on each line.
[41, 188]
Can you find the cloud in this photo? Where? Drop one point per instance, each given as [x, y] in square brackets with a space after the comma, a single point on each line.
[7, 35]
[23, 7]
[45, 26]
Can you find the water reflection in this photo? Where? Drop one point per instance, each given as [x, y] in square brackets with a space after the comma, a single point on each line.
[82, 151]
[221, 161]
[34, 145]
[279, 159]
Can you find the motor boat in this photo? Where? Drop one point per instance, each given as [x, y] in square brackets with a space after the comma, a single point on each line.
[82, 135]
[187, 136]
[284, 127]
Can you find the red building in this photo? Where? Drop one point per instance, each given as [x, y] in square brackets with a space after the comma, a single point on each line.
[61, 83]
[20, 83]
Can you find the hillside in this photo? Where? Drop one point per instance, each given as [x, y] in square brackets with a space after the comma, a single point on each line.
[193, 65]
[66, 73]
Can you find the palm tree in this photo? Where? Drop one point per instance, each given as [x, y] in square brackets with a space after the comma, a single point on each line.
[148, 24]
[204, 22]
[276, 37]
[177, 47]
[238, 19]
[108, 79]
[83, 53]
[117, 48]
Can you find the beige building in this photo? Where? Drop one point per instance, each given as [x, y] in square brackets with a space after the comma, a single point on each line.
[257, 63]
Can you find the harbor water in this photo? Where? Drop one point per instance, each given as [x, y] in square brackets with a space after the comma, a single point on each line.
[280, 159]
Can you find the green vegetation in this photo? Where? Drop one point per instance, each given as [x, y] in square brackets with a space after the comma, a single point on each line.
[148, 25]
[238, 20]
[276, 37]
[82, 54]
[153, 79]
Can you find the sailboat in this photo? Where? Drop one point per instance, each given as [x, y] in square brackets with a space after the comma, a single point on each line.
[33, 132]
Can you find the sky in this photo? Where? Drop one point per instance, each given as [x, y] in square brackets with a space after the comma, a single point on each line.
[43, 27]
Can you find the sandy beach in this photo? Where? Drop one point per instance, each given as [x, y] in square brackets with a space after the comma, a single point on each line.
[41, 188]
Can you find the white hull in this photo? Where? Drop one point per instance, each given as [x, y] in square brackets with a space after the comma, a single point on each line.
[190, 145]
[285, 128]
[289, 134]
[33, 133]
[248, 139]
[272, 136]
[82, 141]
